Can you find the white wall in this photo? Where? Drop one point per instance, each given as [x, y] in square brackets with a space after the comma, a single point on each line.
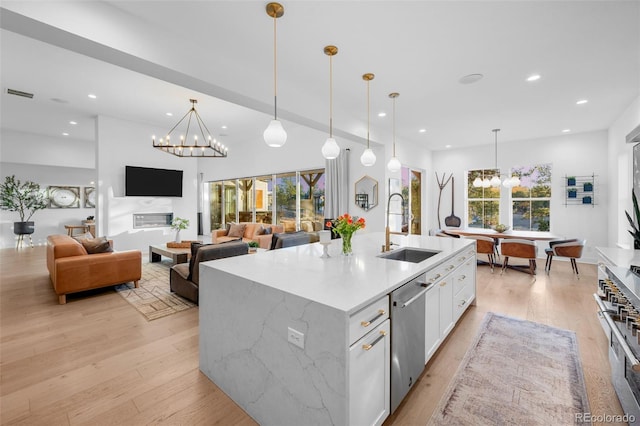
[620, 158]
[571, 155]
[29, 148]
[48, 221]
[122, 143]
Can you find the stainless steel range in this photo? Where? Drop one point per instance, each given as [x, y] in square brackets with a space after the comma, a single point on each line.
[619, 311]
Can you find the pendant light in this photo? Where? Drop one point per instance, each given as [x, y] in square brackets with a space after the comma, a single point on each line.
[275, 135]
[330, 149]
[394, 164]
[495, 181]
[368, 158]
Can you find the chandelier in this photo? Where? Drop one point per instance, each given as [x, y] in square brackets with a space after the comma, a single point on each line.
[495, 181]
[205, 147]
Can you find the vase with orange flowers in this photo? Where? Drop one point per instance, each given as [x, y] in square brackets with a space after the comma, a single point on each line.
[346, 225]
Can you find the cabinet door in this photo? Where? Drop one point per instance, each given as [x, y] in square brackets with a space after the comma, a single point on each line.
[369, 377]
[463, 288]
[432, 322]
[446, 306]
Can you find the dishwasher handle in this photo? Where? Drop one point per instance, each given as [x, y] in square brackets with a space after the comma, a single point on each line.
[426, 286]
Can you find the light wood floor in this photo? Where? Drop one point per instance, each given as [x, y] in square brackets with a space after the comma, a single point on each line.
[96, 360]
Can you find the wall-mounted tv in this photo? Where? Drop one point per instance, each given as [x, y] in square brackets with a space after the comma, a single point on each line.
[149, 182]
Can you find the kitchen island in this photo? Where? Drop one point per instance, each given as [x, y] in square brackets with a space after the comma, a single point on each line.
[294, 338]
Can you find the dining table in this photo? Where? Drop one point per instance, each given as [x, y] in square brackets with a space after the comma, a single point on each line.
[523, 235]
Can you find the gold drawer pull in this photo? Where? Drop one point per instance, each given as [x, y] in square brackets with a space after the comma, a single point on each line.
[367, 346]
[462, 278]
[443, 283]
[368, 323]
[450, 267]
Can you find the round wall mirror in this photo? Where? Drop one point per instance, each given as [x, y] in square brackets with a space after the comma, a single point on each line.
[366, 193]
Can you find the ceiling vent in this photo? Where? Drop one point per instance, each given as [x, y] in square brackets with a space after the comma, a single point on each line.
[20, 93]
[634, 136]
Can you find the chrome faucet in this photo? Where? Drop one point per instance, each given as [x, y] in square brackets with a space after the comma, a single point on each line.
[387, 232]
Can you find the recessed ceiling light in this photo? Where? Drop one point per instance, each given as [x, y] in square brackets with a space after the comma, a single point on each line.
[73, 123]
[582, 102]
[65, 134]
[92, 96]
[447, 146]
[224, 127]
[533, 77]
[566, 130]
[169, 114]
[382, 114]
[471, 78]
[422, 130]
[92, 183]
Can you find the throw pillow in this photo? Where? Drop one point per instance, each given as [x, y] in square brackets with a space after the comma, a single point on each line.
[236, 230]
[267, 231]
[96, 245]
[259, 230]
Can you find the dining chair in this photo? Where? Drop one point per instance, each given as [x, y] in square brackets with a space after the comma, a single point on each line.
[565, 248]
[485, 245]
[525, 249]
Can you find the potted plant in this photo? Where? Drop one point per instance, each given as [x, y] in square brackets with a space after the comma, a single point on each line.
[90, 219]
[572, 193]
[25, 198]
[253, 246]
[179, 224]
[586, 200]
[634, 224]
[571, 181]
[588, 186]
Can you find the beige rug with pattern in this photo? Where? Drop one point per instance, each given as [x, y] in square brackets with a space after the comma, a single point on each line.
[516, 373]
[153, 299]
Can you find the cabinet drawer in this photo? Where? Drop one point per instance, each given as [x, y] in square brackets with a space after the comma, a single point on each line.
[462, 276]
[368, 318]
[463, 299]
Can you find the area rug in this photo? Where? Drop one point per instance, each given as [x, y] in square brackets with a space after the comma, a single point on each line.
[153, 298]
[516, 373]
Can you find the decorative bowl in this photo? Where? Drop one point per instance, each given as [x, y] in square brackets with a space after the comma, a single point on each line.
[501, 228]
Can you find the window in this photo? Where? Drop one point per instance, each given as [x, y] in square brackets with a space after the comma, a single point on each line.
[483, 202]
[289, 199]
[531, 200]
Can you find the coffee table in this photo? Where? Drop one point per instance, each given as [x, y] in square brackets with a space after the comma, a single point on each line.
[177, 255]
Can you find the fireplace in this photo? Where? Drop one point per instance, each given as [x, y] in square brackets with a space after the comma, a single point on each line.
[152, 220]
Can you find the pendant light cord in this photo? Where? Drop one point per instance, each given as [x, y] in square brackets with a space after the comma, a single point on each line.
[368, 114]
[275, 70]
[331, 96]
[394, 126]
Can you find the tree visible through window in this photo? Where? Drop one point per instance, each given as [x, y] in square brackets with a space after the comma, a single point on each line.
[531, 199]
[483, 202]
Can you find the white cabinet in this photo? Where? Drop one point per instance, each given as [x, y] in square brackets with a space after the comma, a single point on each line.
[464, 287]
[433, 338]
[453, 290]
[369, 377]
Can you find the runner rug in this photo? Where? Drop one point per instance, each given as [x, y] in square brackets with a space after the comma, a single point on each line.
[516, 373]
[153, 298]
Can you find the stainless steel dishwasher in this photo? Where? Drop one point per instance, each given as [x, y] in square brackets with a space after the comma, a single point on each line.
[407, 337]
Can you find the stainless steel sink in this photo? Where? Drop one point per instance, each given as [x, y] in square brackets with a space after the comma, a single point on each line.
[409, 254]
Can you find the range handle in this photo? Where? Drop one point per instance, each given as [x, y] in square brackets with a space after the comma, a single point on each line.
[635, 364]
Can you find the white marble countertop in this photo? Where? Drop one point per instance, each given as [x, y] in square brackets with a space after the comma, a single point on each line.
[346, 283]
[619, 257]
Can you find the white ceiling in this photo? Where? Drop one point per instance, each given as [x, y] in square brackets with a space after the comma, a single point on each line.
[221, 53]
